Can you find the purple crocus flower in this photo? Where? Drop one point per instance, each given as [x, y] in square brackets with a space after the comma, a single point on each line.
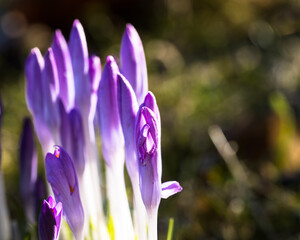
[50, 219]
[113, 150]
[63, 180]
[149, 159]
[148, 149]
[37, 98]
[128, 108]
[28, 169]
[133, 62]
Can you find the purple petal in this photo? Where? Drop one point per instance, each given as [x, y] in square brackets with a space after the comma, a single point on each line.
[150, 185]
[80, 62]
[33, 72]
[63, 180]
[72, 136]
[146, 116]
[50, 90]
[149, 159]
[128, 108]
[95, 72]
[108, 113]
[64, 69]
[50, 220]
[65, 130]
[51, 202]
[28, 160]
[133, 62]
[50, 63]
[77, 141]
[95, 76]
[150, 102]
[170, 188]
[28, 169]
[39, 193]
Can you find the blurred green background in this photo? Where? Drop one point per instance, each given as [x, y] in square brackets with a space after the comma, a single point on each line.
[234, 63]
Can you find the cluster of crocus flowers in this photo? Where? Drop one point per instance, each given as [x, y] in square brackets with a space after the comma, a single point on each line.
[65, 91]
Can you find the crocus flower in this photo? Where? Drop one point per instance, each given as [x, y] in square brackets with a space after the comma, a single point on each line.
[148, 149]
[63, 180]
[28, 169]
[36, 98]
[128, 108]
[50, 219]
[149, 159]
[133, 62]
[113, 150]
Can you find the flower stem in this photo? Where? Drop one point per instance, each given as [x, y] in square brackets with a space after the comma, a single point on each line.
[152, 223]
[117, 196]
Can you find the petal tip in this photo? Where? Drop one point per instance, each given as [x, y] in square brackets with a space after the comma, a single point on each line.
[76, 23]
[110, 59]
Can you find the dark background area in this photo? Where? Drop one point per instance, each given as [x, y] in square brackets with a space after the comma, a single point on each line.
[231, 63]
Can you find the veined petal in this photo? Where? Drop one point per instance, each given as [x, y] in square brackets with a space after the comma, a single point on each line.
[133, 62]
[33, 72]
[80, 62]
[170, 188]
[64, 69]
[63, 180]
[108, 113]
